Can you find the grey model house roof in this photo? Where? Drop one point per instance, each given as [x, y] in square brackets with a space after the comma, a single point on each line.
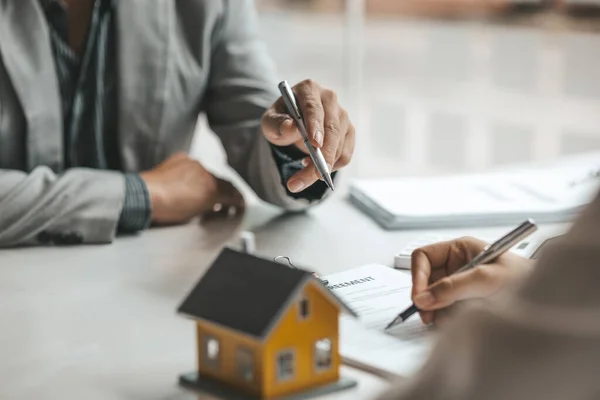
[248, 294]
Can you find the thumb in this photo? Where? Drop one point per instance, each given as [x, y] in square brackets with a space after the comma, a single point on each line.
[482, 281]
[279, 128]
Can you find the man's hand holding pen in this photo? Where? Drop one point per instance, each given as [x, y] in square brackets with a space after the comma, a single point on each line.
[327, 125]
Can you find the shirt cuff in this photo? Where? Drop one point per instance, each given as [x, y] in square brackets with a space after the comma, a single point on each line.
[136, 212]
[289, 161]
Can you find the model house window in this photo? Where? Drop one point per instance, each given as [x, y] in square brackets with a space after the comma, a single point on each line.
[211, 351]
[245, 364]
[304, 308]
[323, 354]
[285, 365]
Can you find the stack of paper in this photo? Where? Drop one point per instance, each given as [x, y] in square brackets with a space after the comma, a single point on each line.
[553, 192]
[377, 294]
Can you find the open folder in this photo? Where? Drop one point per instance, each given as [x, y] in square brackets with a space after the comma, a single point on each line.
[551, 192]
[377, 294]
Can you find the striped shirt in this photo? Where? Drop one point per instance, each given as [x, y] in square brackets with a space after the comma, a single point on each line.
[89, 106]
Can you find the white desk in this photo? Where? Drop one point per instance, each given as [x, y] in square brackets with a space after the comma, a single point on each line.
[99, 322]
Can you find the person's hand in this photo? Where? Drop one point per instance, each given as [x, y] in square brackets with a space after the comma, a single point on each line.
[435, 289]
[181, 188]
[327, 125]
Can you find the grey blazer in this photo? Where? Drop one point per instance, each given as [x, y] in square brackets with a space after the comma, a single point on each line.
[176, 59]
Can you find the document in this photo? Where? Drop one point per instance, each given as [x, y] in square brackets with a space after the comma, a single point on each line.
[554, 192]
[377, 294]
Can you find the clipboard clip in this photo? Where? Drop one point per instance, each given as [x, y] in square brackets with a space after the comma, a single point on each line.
[288, 261]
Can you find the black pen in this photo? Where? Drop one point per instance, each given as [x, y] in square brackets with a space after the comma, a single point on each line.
[487, 255]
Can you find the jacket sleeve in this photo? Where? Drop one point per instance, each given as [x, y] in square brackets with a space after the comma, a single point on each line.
[79, 206]
[241, 87]
[541, 342]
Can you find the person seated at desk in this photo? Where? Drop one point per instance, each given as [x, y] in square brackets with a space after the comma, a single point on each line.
[99, 101]
[541, 340]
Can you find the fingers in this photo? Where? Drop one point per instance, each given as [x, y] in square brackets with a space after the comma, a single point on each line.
[481, 281]
[227, 202]
[427, 317]
[337, 149]
[434, 262]
[347, 150]
[303, 179]
[328, 128]
[420, 266]
[421, 271]
[327, 125]
[309, 174]
[447, 256]
[334, 135]
[308, 96]
[278, 127]
[228, 195]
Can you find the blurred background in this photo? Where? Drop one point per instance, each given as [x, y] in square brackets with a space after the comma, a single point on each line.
[448, 85]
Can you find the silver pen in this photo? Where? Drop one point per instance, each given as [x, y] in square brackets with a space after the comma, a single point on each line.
[487, 255]
[294, 111]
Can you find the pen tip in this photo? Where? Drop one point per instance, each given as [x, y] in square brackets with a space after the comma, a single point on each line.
[388, 326]
[329, 182]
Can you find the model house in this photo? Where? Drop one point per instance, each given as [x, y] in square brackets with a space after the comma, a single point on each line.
[263, 328]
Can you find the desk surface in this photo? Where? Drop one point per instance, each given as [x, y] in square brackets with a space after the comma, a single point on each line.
[99, 322]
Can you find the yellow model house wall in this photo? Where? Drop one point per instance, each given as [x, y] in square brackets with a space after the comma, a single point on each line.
[301, 335]
[227, 371]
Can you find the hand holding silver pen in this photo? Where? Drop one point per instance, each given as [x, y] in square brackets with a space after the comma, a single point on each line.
[307, 119]
[448, 272]
[315, 153]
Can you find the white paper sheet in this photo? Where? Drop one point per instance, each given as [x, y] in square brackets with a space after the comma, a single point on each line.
[377, 294]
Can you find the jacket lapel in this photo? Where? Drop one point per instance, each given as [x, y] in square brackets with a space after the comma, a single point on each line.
[143, 54]
[27, 55]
